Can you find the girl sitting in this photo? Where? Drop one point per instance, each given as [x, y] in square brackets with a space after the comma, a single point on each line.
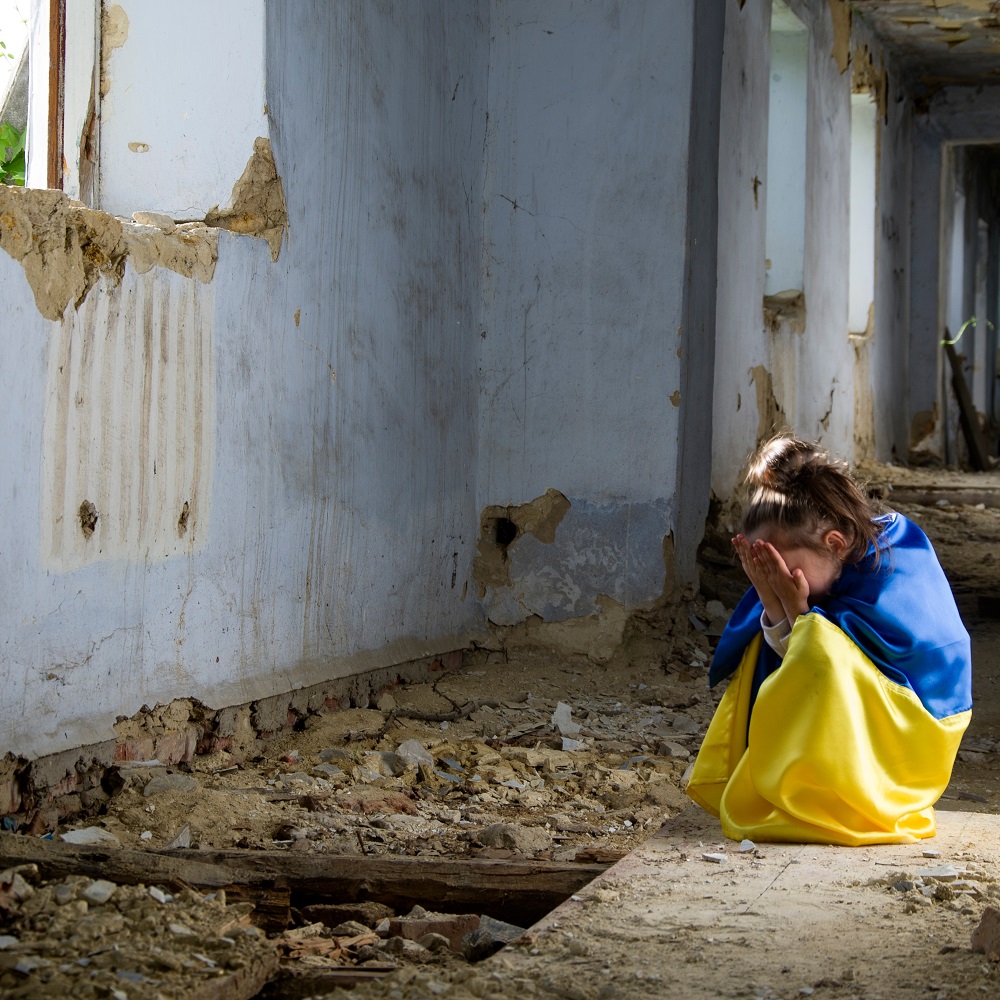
[850, 673]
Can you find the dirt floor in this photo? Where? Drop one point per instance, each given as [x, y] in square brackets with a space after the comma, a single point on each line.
[524, 753]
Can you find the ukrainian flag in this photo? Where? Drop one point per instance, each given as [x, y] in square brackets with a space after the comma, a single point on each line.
[851, 738]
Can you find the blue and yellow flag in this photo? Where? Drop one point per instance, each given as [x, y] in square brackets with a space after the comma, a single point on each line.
[851, 738]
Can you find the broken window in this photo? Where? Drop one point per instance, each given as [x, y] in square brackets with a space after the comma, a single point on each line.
[864, 161]
[785, 190]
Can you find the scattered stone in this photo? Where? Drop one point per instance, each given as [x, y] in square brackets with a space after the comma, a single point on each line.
[489, 937]
[562, 719]
[716, 609]
[386, 763]
[89, 835]
[940, 873]
[511, 837]
[335, 753]
[569, 744]
[931, 854]
[746, 846]
[99, 892]
[904, 885]
[182, 840]
[159, 895]
[684, 724]
[986, 937]
[418, 923]
[160, 783]
[435, 942]
[328, 770]
[64, 893]
[718, 859]
[415, 753]
[7, 941]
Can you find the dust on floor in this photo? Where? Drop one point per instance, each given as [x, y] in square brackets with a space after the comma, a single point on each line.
[525, 752]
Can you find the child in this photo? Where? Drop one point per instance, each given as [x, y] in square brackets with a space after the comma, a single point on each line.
[849, 667]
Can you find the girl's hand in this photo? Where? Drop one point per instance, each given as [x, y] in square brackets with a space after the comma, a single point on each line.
[773, 606]
[790, 587]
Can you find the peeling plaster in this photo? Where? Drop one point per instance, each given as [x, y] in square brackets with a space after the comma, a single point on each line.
[114, 33]
[840, 14]
[770, 416]
[258, 201]
[868, 77]
[539, 517]
[65, 247]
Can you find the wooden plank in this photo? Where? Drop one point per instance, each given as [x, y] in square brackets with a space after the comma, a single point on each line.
[507, 889]
[979, 450]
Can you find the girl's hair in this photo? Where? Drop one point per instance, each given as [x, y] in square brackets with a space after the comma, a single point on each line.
[796, 487]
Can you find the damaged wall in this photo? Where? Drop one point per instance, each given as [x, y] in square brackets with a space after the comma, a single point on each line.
[585, 328]
[254, 476]
[796, 349]
[163, 146]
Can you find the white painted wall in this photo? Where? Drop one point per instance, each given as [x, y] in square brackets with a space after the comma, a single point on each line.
[184, 100]
[583, 333]
[785, 188]
[320, 410]
[741, 342]
[864, 170]
[811, 371]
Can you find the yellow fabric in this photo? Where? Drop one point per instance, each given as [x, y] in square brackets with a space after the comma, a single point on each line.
[837, 754]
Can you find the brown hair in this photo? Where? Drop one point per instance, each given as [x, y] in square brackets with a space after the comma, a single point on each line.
[796, 487]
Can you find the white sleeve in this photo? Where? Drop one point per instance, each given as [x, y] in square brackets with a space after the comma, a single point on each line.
[776, 636]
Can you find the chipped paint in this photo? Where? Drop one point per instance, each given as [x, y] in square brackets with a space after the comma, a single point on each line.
[114, 33]
[64, 247]
[501, 526]
[257, 206]
[770, 416]
[128, 431]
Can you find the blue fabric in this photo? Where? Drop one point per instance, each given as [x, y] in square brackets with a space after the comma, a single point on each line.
[900, 613]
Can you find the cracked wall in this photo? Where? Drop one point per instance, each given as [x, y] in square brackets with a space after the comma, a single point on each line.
[583, 339]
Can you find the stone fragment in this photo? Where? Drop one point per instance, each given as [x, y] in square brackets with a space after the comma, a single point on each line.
[159, 895]
[986, 937]
[64, 893]
[718, 859]
[939, 873]
[510, 837]
[562, 719]
[7, 941]
[435, 942]
[335, 753]
[404, 947]
[670, 749]
[684, 724]
[385, 762]
[183, 839]
[99, 892]
[160, 783]
[415, 753]
[931, 854]
[490, 936]
[89, 835]
[349, 928]
[904, 885]
[746, 846]
[418, 923]
[328, 771]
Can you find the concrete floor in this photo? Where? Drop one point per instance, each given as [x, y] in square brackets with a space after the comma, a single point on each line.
[783, 920]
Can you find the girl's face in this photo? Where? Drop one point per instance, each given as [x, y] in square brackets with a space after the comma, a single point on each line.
[820, 566]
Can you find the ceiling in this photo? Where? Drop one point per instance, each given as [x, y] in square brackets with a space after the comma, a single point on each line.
[938, 41]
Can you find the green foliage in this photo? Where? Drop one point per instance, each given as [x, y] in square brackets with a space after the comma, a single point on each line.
[12, 163]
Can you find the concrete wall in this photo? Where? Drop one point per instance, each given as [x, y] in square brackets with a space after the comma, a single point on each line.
[163, 147]
[584, 330]
[797, 369]
[314, 414]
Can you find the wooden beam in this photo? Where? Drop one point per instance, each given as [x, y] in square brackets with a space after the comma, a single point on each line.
[57, 91]
[979, 449]
[517, 891]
